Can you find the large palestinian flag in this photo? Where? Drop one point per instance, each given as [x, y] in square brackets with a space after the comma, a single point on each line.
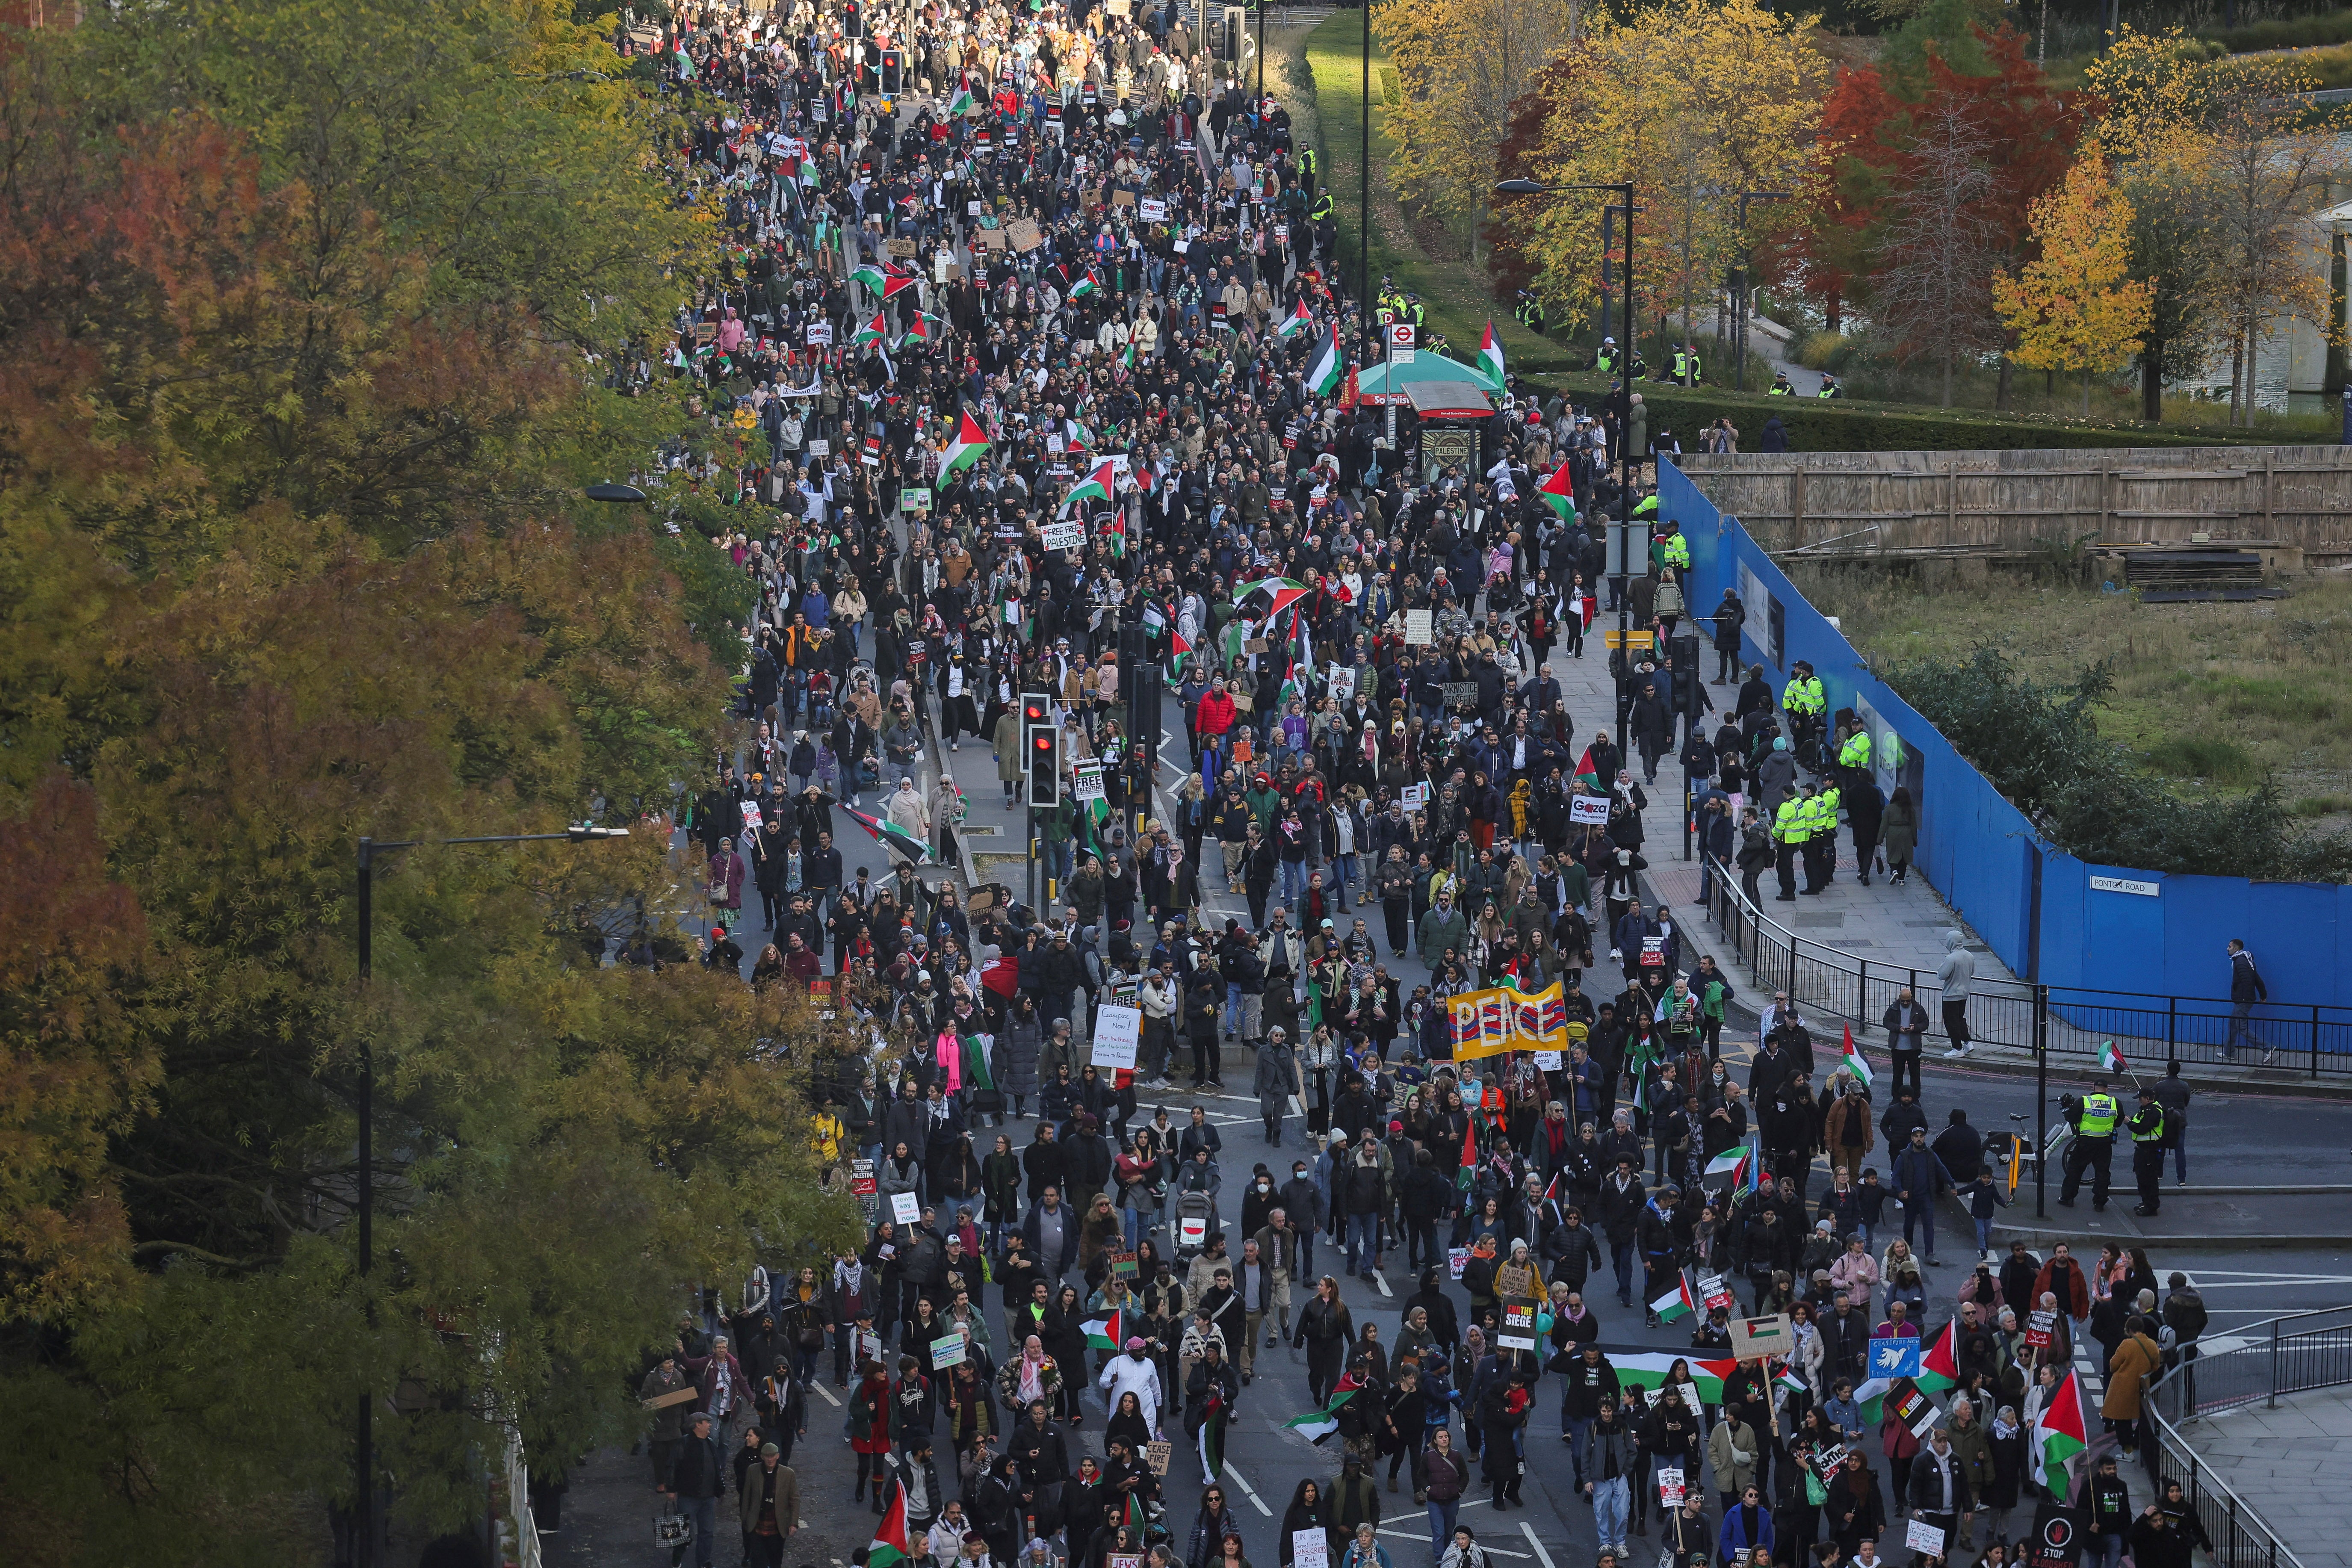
[1317, 1425]
[890, 836]
[1557, 493]
[1649, 1371]
[1094, 487]
[1267, 598]
[2059, 1434]
[965, 449]
[890, 1547]
[1490, 367]
[1323, 377]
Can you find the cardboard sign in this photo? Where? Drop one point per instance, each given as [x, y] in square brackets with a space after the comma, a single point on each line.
[1254, 644]
[1086, 779]
[861, 1178]
[819, 448]
[1461, 694]
[1457, 1259]
[1064, 535]
[1420, 627]
[1413, 797]
[686, 1396]
[1122, 198]
[1117, 1032]
[1670, 1487]
[949, 1351]
[991, 238]
[906, 1208]
[1022, 234]
[1773, 1336]
[1310, 1549]
[1516, 1331]
[1156, 1457]
[1894, 1356]
[901, 248]
[1589, 810]
[1123, 1263]
[1925, 1538]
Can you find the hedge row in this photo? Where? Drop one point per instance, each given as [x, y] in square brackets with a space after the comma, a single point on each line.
[1814, 424]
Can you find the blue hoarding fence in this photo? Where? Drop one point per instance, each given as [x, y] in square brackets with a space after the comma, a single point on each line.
[2124, 946]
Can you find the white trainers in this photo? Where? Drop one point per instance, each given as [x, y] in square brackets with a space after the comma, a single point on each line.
[1956, 1053]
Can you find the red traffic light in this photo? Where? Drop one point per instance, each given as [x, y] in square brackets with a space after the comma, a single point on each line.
[1043, 743]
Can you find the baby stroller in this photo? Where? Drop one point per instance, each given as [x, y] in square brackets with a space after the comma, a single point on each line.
[1196, 1216]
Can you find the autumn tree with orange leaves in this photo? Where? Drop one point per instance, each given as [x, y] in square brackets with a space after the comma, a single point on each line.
[2076, 307]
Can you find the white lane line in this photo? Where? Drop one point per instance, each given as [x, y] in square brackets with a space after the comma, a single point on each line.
[1529, 1531]
[825, 1393]
[1248, 1491]
[1423, 1535]
[1381, 1280]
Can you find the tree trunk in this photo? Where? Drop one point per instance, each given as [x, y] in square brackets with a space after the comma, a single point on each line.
[2087, 392]
[2002, 388]
[2254, 356]
[2151, 385]
[1948, 379]
[2237, 372]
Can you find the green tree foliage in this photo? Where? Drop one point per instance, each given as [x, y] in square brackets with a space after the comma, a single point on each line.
[2039, 743]
[296, 308]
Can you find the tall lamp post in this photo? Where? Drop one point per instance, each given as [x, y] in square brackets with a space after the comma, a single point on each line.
[1739, 293]
[1364, 205]
[1621, 530]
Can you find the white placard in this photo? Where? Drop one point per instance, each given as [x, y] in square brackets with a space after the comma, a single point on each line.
[949, 1351]
[1064, 535]
[1086, 779]
[1670, 1487]
[820, 335]
[1117, 1031]
[752, 819]
[1457, 1259]
[1549, 1061]
[1310, 1549]
[819, 448]
[1922, 1537]
[1589, 809]
[1413, 797]
[906, 1208]
[1420, 628]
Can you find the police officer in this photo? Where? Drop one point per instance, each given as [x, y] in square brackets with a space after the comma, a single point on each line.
[1674, 549]
[1822, 869]
[1605, 362]
[1689, 371]
[1321, 209]
[1829, 387]
[1781, 387]
[1680, 374]
[1854, 754]
[2094, 1117]
[1309, 161]
[1791, 829]
[1803, 700]
[2150, 1130]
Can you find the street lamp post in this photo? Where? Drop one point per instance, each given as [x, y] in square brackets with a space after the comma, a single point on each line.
[363, 1461]
[1364, 205]
[1623, 526]
[1739, 291]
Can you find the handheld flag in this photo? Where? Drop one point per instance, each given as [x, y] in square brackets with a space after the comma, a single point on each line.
[2059, 1434]
[1675, 1302]
[891, 1546]
[1085, 285]
[1490, 359]
[1732, 1163]
[1179, 650]
[965, 449]
[1854, 1061]
[890, 834]
[1468, 1172]
[1296, 323]
[1102, 1333]
[1558, 494]
[1317, 1425]
[872, 331]
[1268, 597]
[1323, 379]
[964, 102]
[1647, 1371]
[2112, 1060]
[1938, 1368]
[1094, 487]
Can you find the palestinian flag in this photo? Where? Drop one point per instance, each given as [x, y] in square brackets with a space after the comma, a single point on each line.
[1179, 650]
[1094, 487]
[2059, 1434]
[890, 836]
[975, 1060]
[891, 1546]
[1267, 598]
[1085, 285]
[919, 331]
[1854, 1061]
[1938, 1369]
[1648, 1372]
[1588, 774]
[1134, 1520]
[1212, 1440]
[873, 277]
[1126, 361]
[1467, 1175]
[1104, 1333]
[1489, 368]
[1323, 379]
[1790, 1381]
[1317, 1425]
[1296, 323]
[964, 103]
[872, 331]
[1558, 494]
[2112, 1060]
[1675, 1302]
[964, 450]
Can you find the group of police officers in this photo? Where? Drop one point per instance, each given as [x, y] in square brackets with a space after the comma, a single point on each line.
[2094, 1117]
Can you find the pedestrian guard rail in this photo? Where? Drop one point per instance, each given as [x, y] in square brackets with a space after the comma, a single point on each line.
[2071, 1022]
[2290, 1355]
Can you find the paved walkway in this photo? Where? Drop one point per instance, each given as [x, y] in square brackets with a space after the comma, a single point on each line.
[2287, 1465]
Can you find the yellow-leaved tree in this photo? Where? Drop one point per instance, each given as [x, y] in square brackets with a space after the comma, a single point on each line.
[1694, 101]
[1460, 65]
[2076, 305]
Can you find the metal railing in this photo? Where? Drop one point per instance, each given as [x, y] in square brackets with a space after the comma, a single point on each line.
[2290, 1355]
[2065, 1020]
[515, 1531]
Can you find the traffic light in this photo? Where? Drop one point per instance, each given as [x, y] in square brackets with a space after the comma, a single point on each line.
[1044, 766]
[1036, 709]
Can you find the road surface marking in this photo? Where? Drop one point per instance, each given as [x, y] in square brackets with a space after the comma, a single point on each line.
[825, 1393]
[1249, 1491]
[1529, 1531]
